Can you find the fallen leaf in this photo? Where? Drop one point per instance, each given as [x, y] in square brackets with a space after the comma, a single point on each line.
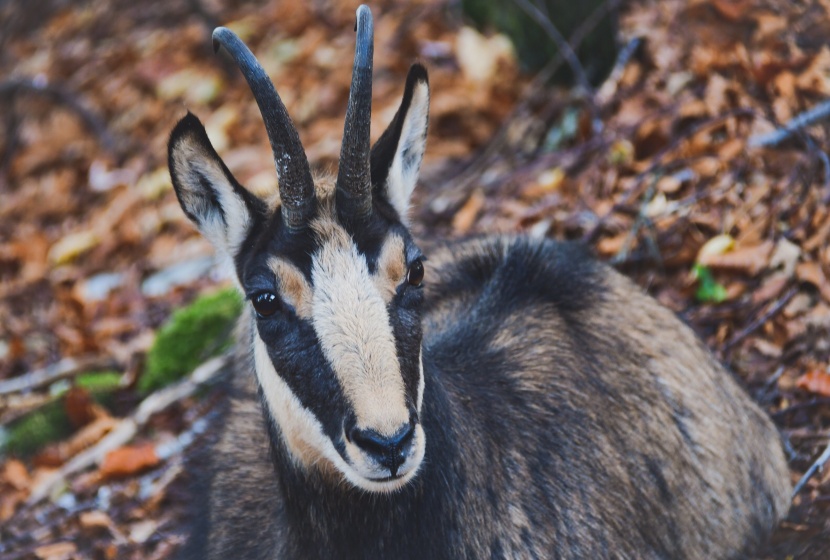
[142, 530]
[786, 256]
[811, 273]
[817, 382]
[72, 246]
[718, 245]
[467, 214]
[56, 551]
[16, 475]
[732, 10]
[129, 460]
[95, 520]
[748, 260]
[155, 184]
[479, 56]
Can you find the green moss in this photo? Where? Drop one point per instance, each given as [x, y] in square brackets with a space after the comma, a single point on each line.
[708, 289]
[99, 382]
[191, 336]
[25, 436]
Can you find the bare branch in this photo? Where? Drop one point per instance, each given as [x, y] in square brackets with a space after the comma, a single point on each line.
[127, 428]
[56, 93]
[814, 468]
[569, 54]
[55, 372]
[796, 124]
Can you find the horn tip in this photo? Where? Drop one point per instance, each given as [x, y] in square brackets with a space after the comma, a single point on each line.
[218, 37]
[362, 14]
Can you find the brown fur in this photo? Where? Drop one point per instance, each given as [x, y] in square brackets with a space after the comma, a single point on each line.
[637, 481]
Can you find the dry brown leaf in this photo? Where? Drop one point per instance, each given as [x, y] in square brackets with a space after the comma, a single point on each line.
[811, 273]
[714, 247]
[129, 460]
[56, 551]
[746, 260]
[817, 382]
[80, 407]
[733, 10]
[819, 238]
[767, 348]
[731, 149]
[610, 246]
[467, 214]
[480, 57]
[816, 78]
[9, 502]
[95, 520]
[15, 475]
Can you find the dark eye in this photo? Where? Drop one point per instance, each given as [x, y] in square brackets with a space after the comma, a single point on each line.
[265, 304]
[416, 273]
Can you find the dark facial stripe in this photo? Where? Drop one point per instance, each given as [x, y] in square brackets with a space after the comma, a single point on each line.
[298, 359]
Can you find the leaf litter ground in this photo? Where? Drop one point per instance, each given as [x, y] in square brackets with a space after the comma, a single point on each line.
[670, 169]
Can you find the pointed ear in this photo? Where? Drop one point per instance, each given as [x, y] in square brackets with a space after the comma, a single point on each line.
[210, 196]
[397, 155]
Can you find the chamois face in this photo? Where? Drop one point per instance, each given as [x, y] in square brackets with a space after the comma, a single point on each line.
[337, 341]
[332, 276]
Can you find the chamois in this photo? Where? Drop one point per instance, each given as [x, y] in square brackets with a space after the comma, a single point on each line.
[507, 398]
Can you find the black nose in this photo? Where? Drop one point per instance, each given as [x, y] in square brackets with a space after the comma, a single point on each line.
[391, 451]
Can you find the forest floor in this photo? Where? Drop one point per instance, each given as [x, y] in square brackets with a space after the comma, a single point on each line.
[671, 170]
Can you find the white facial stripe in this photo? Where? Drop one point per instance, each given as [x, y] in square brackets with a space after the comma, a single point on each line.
[293, 286]
[350, 318]
[303, 434]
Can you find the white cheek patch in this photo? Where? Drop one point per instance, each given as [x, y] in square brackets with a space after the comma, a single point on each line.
[403, 173]
[352, 323]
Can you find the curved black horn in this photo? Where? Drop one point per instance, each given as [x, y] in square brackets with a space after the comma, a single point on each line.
[354, 180]
[293, 172]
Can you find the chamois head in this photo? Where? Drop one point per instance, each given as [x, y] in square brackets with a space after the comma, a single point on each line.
[331, 272]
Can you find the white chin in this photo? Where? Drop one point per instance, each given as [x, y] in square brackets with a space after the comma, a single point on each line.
[383, 486]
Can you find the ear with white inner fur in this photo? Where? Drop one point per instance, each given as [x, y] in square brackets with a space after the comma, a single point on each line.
[214, 201]
[397, 155]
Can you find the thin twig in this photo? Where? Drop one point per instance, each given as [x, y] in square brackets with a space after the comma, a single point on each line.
[568, 53]
[814, 468]
[641, 220]
[607, 90]
[57, 93]
[452, 198]
[127, 428]
[55, 372]
[796, 124]
[591, 22]
[759, 322]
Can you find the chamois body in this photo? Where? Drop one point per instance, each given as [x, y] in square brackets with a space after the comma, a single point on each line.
[507, 398]
[567, 415]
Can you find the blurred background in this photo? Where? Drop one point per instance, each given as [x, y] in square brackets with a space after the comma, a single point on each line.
[684, 141]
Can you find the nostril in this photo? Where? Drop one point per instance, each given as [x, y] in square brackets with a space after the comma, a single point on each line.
[405, 441]
[390, 451]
